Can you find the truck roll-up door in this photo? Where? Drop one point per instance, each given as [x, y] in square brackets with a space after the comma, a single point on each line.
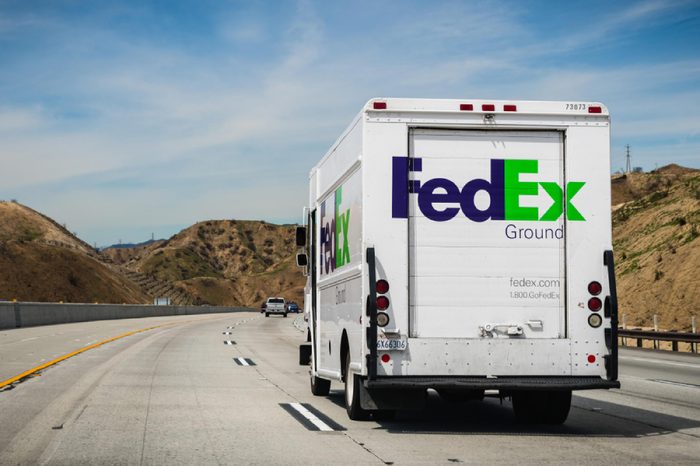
[486, 234]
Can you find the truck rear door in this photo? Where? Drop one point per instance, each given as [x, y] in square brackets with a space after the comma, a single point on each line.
[487, 254]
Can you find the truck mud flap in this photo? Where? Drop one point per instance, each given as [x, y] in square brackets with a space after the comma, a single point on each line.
[490, 383]
[305, 354]
[403, 398]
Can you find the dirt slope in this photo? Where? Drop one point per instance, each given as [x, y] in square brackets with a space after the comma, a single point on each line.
[42, 261]
[225, 262]
[656, 224]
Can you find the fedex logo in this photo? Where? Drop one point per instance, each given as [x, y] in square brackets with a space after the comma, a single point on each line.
[440, 199]
[334, 228]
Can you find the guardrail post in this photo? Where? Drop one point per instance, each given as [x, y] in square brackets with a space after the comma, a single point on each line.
[674, 345]
[693, 348]
[639, 342]
[656, 329]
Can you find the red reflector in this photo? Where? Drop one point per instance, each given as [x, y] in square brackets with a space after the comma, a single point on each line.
[382, 286]
[510, 108]
[386, 357]
[594, 288]
[465, 107]
[595, 110]
[379, 105]
[594, 304]
[382, 303]
[488, 108]
[591, 358]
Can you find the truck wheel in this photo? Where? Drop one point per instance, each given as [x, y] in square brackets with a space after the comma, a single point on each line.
[352, 394]
[542, 407]
[285, 314]
[267, 314]
[320, 387]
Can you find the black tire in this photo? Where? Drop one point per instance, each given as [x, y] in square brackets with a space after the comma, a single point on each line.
[320, 387]
[542, 407]
[267, 314]
[352, 394]
[285, 314]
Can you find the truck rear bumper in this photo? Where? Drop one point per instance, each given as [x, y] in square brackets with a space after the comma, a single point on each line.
[509, 383]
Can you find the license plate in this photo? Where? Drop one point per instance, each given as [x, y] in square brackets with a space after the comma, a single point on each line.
[396, 345]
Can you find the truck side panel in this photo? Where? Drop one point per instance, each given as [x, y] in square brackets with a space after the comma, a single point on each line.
[338, 204]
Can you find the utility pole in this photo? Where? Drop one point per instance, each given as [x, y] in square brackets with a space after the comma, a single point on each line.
[628, 167]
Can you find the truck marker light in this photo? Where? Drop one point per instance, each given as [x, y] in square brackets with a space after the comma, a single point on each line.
[466, 107]
[510, 108]
[595, 109]
[386, 358]
[382, 319]
[594, 320]
[591, 358]
[382, 303]
[595, 304]
[382, 286]
[595, 288]
[379, 105]
[488, 107]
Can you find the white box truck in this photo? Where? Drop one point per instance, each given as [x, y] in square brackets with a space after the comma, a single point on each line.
[462, 246]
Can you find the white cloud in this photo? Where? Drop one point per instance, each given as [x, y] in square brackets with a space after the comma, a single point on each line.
[171, 120]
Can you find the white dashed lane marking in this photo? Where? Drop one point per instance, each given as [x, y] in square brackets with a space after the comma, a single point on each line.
[311, 418]
[244, 361]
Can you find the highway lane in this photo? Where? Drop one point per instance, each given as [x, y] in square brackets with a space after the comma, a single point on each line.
[175, 395]
[29, 347]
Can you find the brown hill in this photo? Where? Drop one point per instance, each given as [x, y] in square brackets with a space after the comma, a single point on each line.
[656, 223]
[224, 262]
[42, 261]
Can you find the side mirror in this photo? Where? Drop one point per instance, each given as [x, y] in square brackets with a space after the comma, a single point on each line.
[301, 237]
[302, 260]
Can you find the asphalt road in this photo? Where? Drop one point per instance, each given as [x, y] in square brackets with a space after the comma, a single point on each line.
[177, 395]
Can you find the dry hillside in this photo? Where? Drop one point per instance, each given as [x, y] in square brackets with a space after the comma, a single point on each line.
[41, 261]
[224, 262]
[656, 224]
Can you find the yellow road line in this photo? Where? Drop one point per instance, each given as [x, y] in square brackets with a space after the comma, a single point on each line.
[70, 355]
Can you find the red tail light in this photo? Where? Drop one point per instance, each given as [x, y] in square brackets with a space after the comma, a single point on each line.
[466, 107]
[510, 108]
[382, 303]
[488, 107]
[594, 304]
[382, 286]
[595, 288]
[386, 358]
[379, 105]
[595, 110]
[591, 358]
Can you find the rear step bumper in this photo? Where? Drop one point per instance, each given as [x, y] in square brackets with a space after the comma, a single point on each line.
[491, 383]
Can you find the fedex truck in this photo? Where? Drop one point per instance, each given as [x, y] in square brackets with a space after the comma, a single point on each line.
[462, 246]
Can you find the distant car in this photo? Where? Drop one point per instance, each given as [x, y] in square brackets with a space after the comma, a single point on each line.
[293, 307]
[275, 306]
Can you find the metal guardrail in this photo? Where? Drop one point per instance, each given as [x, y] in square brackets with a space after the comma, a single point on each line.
[674, 337]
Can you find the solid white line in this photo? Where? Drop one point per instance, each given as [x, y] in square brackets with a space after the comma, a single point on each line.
[243, 362]
[671, 382]
[660, 361]
[310, 416]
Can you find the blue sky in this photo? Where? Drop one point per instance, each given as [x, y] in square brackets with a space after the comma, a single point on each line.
[125, 118]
